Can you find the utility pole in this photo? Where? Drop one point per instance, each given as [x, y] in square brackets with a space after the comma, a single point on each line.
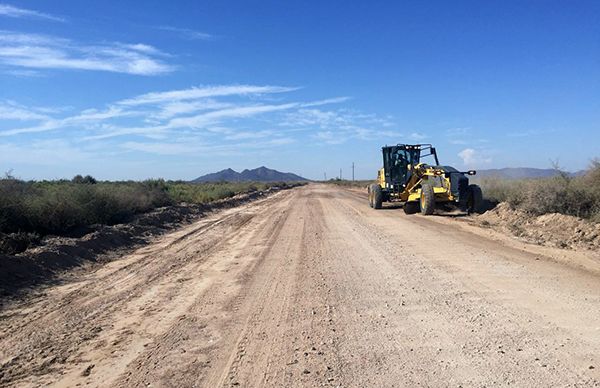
[325, 176]
[340, 174]
[352, 171]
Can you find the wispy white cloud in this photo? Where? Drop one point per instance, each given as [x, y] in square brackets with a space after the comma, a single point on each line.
[47, 125]
[169, 110]
[85, 118]
[34, 51]
[22, 73]
[97, 115]
[15, 12]
[204, 92]
[187, 33]
[207, 120]
[243, 135]
[200, 121]
[341, 125]
[10, 110]
[327, 101]
[212, 117]
[164, 111]
[142, 48]
[111, 131]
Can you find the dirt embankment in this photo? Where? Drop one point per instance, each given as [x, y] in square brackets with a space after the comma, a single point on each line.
[100, 243]
[556, 230]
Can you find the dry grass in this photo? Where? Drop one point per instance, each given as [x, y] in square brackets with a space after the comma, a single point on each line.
[576, 196]
[346, 183]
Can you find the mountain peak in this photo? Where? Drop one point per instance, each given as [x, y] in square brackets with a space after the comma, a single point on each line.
[259, 174]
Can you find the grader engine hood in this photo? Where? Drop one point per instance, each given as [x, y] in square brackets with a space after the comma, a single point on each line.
[459, 182]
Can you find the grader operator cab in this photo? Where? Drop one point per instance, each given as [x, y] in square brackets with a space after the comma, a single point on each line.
[421, 186]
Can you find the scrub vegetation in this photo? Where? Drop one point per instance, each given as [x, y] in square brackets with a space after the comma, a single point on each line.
[577, 196]
[348, 183]
[58, 207]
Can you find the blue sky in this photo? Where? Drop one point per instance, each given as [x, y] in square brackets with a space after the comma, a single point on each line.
[138, 89]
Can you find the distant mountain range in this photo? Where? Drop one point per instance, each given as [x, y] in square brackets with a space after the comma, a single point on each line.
[260, 174]
[264, 174]
[520, 173]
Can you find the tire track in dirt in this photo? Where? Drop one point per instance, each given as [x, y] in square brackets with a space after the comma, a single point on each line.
[119, 307]
[206, 322]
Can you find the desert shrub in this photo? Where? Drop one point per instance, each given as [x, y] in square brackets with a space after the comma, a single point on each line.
[52, 210]
[571, 195]
[11, 208]
[57, 207]
[503, 190]
[88, 179]
[590, 183]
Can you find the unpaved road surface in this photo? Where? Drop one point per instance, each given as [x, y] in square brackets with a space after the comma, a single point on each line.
[311, 287]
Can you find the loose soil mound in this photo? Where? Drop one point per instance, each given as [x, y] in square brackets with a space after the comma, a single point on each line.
[54, 255]
[553, 229]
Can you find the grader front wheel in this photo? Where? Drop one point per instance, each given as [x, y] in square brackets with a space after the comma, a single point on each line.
[427, 201]
[411, 207]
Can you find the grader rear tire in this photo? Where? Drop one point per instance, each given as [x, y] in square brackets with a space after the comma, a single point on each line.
[475, 199]
[377, 197]
[427, 201]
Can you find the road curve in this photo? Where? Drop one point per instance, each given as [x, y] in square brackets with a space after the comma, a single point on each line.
[311, 287]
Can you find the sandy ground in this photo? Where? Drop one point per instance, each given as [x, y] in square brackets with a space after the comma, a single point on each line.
[311, 287]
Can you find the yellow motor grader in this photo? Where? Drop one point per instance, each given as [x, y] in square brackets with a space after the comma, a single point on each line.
[421, 186]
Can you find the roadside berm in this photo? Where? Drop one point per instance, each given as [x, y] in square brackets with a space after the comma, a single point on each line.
[557, 230]
[53, 255]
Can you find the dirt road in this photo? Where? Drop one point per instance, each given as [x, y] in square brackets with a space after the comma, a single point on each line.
[311, 287]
